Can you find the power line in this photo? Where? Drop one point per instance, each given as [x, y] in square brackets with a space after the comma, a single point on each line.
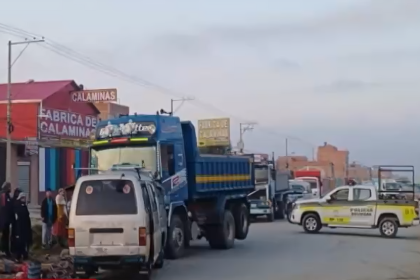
[85, 60]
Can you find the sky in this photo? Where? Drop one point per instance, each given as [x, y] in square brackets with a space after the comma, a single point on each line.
[343, 72]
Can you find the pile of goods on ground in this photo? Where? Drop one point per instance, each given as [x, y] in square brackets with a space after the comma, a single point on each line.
[52, 268]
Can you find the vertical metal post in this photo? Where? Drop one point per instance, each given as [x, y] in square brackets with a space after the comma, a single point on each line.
[287, 153]
[9, 119]
[172, 107]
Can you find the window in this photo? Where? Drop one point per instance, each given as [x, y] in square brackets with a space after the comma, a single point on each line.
[146, 198]
[168, 160]
[161, 196]
[361, 194]
[106, 197]
[298, 188]
[341, 195]
[152, 197]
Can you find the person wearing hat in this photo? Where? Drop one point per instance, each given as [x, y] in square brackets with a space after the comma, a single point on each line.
[7, 216]
[23, 228]
[49, 216]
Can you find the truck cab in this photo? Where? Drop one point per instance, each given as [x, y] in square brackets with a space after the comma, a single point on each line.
[313, 177]
[261, 198]
[203, 193]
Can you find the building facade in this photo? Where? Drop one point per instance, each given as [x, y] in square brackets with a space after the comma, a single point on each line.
[50, 134]
[110, 110]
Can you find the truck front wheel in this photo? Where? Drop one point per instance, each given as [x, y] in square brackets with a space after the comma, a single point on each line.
[311, 223]
[175, 244]
[222, 236]
[241, 215]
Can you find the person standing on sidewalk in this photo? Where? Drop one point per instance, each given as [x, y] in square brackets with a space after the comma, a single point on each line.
[7, 216]
[49, 216]
[23, 228]
[60, 226]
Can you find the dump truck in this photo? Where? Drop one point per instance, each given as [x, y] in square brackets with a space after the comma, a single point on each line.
[205, 195]
[272, 190]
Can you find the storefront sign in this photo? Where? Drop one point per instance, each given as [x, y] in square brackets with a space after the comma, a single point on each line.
[64, 124]
[125, 129]
[31, 146]
[214, 132]
[95, 95]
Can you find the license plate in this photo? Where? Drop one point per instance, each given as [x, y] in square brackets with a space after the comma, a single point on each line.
[253, 205]
[416, 222]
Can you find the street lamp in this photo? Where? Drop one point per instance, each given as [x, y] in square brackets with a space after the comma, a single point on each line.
[9, 126]
[179, 100]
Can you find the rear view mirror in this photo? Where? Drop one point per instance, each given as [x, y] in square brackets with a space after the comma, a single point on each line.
[327, 198]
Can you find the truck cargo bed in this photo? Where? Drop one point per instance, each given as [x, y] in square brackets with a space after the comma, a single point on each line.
[210, 175]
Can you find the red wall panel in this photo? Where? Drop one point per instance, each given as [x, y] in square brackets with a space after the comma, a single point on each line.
[61, 100]
[24, 119]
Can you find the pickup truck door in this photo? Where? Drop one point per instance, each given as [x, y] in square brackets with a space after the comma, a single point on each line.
[362, 208]
[337, 210]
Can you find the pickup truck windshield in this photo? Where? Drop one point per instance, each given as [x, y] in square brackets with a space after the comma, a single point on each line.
[105, 158]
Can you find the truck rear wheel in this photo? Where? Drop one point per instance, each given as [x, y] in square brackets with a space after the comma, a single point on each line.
[388, 227]
[279, 210]
[222, 236]
[175, 244]
[241, 215]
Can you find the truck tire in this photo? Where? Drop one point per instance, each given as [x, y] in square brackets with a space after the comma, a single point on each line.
[270, 217]
[241, 215]
[388, 227]
[279, 210]
[222, 236]
[175, 244]
[311, 223]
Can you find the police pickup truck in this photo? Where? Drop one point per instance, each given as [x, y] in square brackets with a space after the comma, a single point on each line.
[354, 207]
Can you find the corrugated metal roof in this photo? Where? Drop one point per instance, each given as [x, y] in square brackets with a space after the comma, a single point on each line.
[33, 90]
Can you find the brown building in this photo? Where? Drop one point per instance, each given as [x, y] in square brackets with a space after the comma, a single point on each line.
[359, 172]
[339, 158]
[111, 110]
[332, 161]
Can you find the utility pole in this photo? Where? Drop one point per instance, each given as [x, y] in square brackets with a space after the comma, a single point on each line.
[244, 127]
[287, 153]
[9, 126]
[179, 100]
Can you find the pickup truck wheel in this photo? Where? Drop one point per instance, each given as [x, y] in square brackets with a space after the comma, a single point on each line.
[311, 223]
[241, 215]
[175, 244]
[222, 236]
[388, 227]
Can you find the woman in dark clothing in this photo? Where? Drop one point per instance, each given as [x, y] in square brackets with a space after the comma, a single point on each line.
[23, 233]
[13, 234]
[6, 217]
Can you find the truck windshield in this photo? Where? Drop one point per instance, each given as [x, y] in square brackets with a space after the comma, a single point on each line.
[261, 174]
[105, 158]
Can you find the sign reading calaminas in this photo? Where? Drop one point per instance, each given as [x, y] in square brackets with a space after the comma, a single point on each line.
[95, 95]
[214, 132]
